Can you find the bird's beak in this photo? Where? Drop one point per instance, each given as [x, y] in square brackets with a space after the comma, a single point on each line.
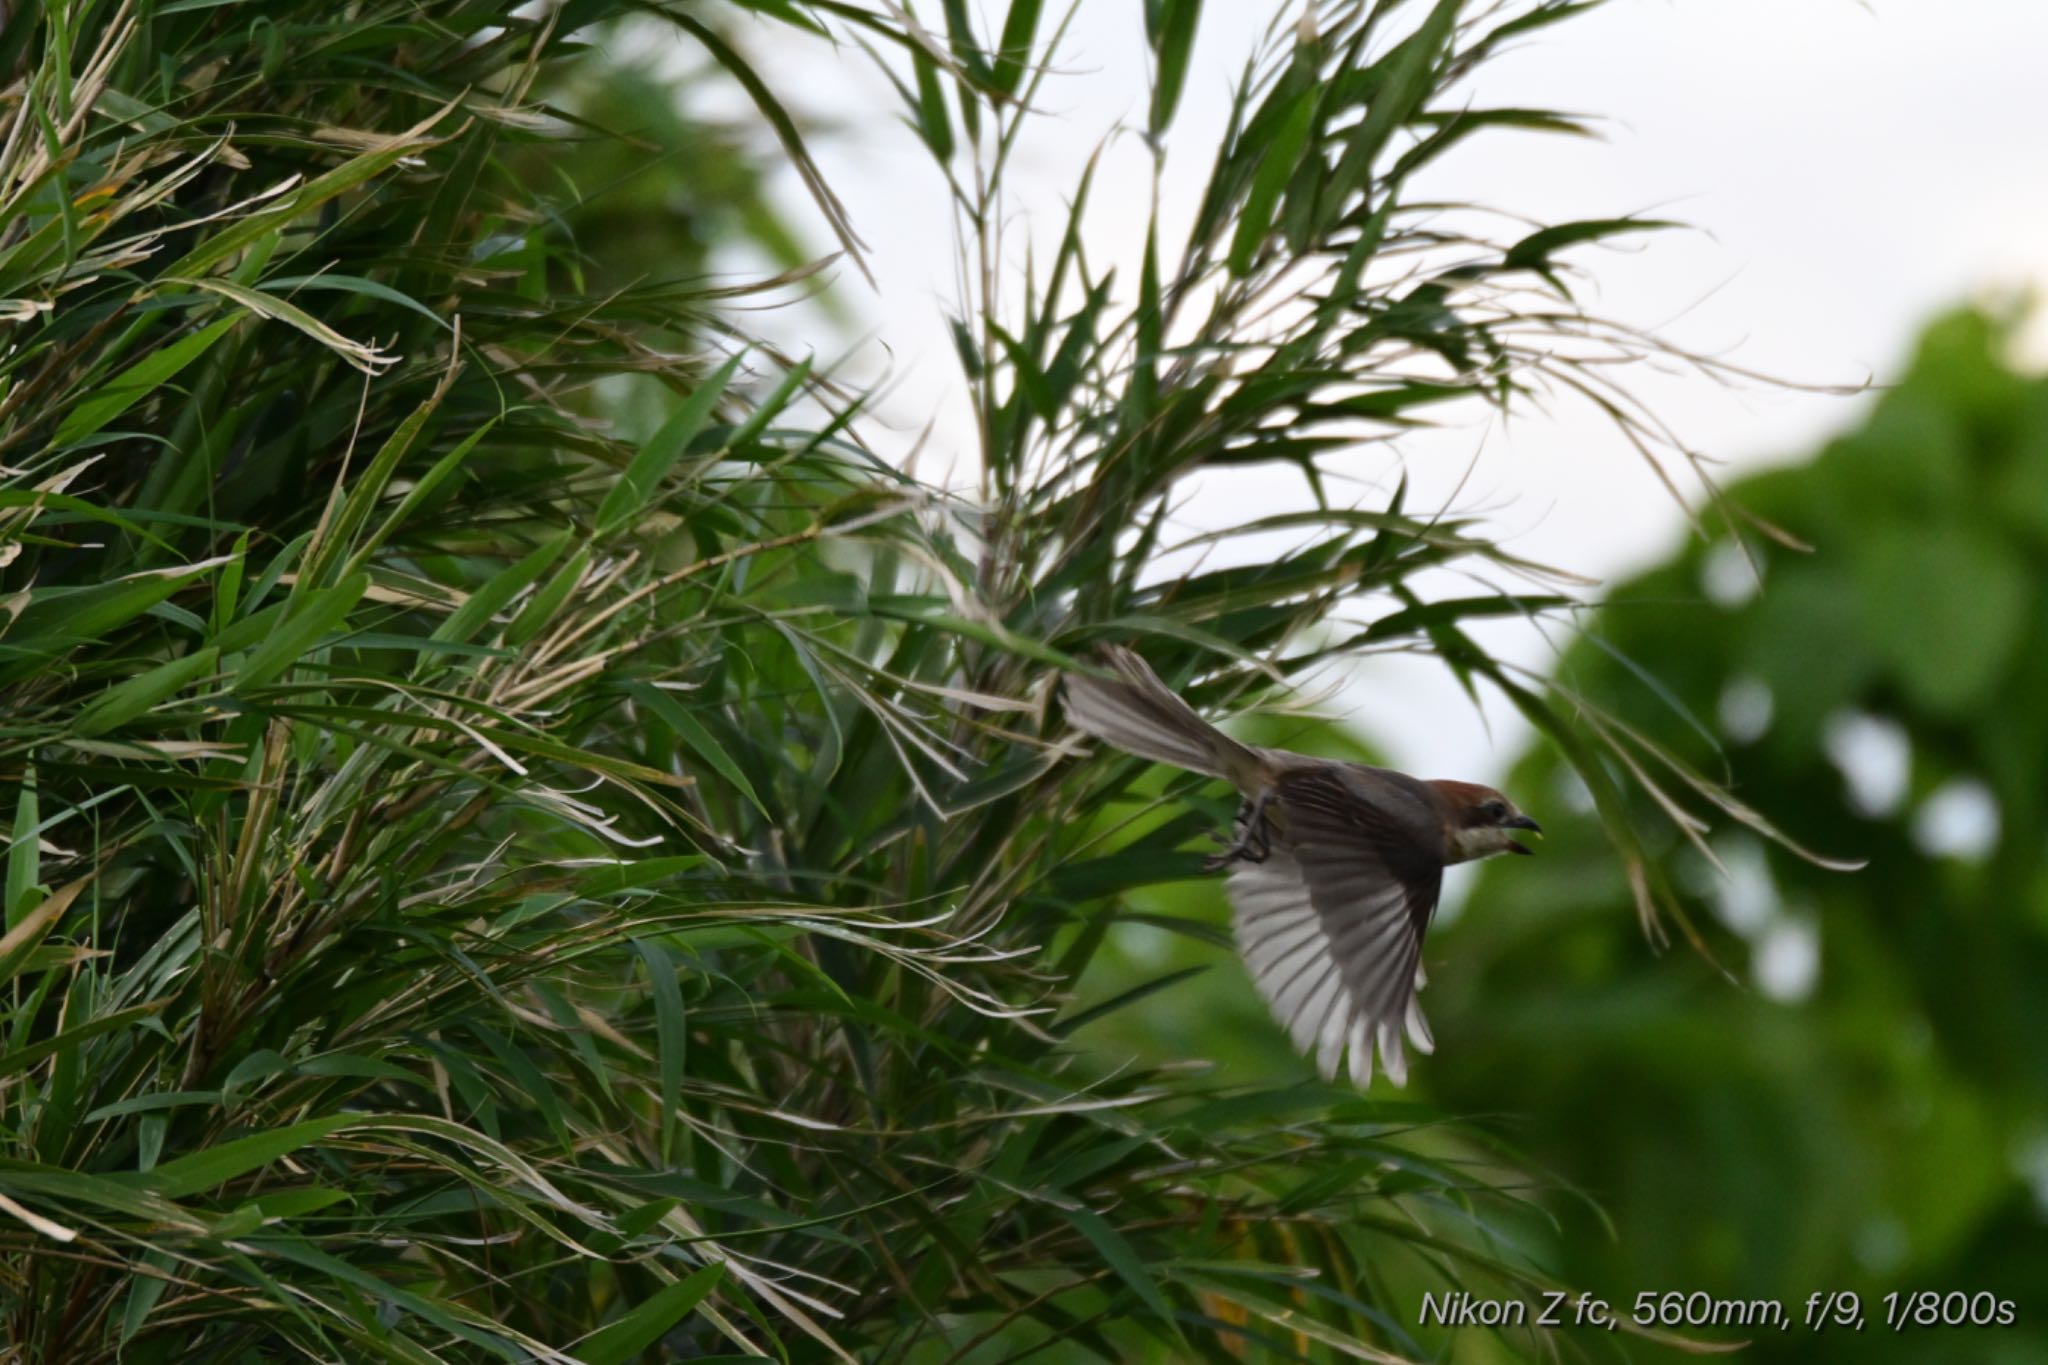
[1521, 822]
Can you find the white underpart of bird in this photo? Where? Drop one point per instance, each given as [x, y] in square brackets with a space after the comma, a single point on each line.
[1335, 872]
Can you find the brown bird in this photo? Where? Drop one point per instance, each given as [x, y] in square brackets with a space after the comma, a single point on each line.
[1334, 872]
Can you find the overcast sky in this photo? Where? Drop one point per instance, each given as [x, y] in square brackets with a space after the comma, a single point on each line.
[1851, 169]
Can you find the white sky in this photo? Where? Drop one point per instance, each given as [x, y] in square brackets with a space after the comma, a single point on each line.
[1852, 169]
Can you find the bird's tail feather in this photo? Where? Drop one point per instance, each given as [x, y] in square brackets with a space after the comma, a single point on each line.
[1140, 715]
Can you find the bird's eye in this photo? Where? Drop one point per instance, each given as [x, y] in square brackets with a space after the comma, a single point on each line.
[1494, 811]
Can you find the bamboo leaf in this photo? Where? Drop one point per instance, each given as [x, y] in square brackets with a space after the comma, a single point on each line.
[1277, 163]
[1534, 251]
[1402, 88]
[671, 1038]
[933, 122]
[24, 855]
[138, 382]
[299, 634]
[368, 359]
[1020, 32]
[125, 701]
[1117, 1254]
[1172, 47]
[27, 929]
[627, 1338]
[215, 1166]
[635, 490]
[699, 740]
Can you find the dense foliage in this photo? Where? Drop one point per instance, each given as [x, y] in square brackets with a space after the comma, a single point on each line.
[1867, 1110]
[1857, 1104]
[493, 877]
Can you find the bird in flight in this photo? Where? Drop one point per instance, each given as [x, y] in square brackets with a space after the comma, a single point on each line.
[1334, 871]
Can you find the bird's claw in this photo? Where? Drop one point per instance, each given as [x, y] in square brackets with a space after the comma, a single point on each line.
[1253, 843]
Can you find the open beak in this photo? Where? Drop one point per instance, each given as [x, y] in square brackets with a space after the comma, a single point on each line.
[1521, 822]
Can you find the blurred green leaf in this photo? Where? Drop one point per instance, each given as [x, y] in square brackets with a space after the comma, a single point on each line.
[1946, 607]
[1173, 43]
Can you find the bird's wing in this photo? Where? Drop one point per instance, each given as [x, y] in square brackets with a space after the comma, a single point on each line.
[1331, 922]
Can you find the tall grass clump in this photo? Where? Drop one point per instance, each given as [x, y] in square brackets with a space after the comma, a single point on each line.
[490, 880]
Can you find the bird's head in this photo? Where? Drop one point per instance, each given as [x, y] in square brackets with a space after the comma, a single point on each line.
[1479, 822]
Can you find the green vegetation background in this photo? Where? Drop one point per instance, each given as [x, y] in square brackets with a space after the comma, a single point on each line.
[525, 842]
[1886, 1127]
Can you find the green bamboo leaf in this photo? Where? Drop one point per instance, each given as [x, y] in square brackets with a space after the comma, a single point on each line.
[1390, 404]
[59, 620]
[638, 1222]
[249, 630]
[339, 530]
[1144, 990]
[670, 1035]
[1420, 619]
[528, 1079]
[933, 122]
[259, 1065]
[363, 357]
[375, 1289]
[27, 929]
[541, 608]
[1402, 86]
[425, 487]
[146, 1289]
[297, 1203]
[212, 1167]
[296, 202]
[1142, 396]
[966, 47]
[26, 1056]
[490, 599]
[1171, 49]
[125, 107]
[633, 1334]
[1534, 251]
[425, 644]
[610, 879]
[1117, 1254]
[1542, 16]
[125, 701]
[351, 284]
[318, 615]
[361, 1068]
[273, 573]
[637, 486]
[51, 510]
[50, 1185]
[227, 592]
[138, 382]
[1020, 31]
[772, 406]
[999, 636]
[786, 129]
[143, 1104]
[692, 733]
[24, 856]
[1277, 163]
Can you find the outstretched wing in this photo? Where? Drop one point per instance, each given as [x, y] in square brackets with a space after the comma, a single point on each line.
[1331, 923]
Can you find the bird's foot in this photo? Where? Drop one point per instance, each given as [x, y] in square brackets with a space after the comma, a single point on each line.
[1254, 840]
